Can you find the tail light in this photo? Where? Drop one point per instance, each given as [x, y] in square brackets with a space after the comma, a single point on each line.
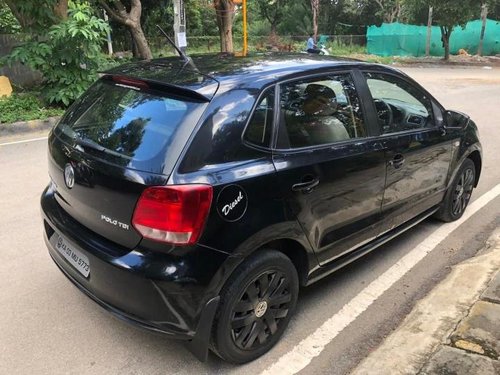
[175, 214]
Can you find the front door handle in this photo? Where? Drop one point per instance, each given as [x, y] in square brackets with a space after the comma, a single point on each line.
[397, 161]
[306, 186]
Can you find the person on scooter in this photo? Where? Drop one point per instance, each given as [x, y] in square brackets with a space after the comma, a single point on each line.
[311, 45]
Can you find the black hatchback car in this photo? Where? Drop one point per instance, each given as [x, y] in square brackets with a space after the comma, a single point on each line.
[195, 201]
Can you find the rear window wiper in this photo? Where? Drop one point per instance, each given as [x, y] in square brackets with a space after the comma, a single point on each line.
[88, 143]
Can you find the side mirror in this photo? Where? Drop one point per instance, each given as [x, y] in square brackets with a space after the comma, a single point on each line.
[454, 119]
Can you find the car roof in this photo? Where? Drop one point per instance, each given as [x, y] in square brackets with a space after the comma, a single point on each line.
[209, 72]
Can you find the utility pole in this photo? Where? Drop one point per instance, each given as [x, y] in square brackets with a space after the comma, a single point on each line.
[108, 36]
[245, 35]
[484, 14]
[243, 3]
[429, 32]
[180, 25]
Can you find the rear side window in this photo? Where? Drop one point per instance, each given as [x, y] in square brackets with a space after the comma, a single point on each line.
[318, 111]
[130, 126]
[260, 127]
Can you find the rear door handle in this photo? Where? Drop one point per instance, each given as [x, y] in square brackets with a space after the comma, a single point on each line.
[306, 186]
[397, 161]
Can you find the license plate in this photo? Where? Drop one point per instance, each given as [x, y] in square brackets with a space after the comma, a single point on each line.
[72, 255]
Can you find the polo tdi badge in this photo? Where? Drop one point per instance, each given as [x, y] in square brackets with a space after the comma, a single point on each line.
[232, 203]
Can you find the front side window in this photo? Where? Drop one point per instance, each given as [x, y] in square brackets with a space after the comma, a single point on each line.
[399, 105]
[319, 111]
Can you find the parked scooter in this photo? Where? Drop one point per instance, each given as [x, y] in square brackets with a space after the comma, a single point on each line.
[323, 49]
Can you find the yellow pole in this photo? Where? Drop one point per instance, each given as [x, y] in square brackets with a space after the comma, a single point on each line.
[245, 42]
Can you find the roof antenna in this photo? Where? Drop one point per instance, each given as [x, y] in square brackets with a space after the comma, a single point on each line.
[181, 54]
[187, 60]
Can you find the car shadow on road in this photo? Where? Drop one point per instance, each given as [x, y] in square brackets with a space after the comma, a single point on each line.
[316, 304]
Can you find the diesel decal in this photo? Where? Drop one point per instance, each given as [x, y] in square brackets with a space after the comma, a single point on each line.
[228, 207]
[232, 203]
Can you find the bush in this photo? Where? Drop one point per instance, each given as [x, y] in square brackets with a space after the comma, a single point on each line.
[24, 107]
[68, 56]
[8, 23]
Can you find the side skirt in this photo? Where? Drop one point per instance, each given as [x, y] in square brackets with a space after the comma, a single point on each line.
[365, 249]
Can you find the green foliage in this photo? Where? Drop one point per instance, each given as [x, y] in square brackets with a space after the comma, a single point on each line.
[272, 10]
[447, 13]
[68, 56]
[8, 23]
[35, 15]
[297, 19]
[24, 107]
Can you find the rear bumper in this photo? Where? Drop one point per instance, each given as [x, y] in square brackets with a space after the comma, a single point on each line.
[172, 293]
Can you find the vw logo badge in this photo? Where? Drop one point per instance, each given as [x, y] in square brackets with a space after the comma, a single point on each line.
[69, 175]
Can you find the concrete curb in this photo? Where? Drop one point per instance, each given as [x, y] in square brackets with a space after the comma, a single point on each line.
[435, 317]
[24, 127]
[492, 61]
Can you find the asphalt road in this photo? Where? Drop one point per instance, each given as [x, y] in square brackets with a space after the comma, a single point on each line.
[48, 327]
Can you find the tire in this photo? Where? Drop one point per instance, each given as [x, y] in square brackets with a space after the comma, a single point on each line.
[458, 194]
[256, 305]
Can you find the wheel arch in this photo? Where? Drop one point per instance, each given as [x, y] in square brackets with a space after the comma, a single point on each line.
[475, 156]
[295, 252]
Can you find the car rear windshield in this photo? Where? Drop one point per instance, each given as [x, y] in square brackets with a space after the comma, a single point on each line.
[130, 126]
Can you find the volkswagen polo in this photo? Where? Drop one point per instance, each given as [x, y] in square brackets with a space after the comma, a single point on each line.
[194, 200]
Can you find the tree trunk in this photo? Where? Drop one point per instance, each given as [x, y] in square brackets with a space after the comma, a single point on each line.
[274, 32]
[226, 36]
[225, 12]
[61, 9]
[484, 15]
[315, 11]
[131, 19]
[445, 38]
[26, 21]
[141, 42]
[133, 44]
[429, 33]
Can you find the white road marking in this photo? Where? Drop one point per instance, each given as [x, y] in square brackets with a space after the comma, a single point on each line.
[24, 141]
[312, 346]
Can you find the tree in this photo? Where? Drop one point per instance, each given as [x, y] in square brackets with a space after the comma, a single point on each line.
[8, 23]
[272, 11]
[390, 10]
[69, 55]
[38, 15]
[297, 19]
[315, 12]
[447, 14]
[131, 18]
[224, 11]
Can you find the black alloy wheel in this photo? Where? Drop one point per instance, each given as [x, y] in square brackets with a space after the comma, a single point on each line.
[256, 305]
[459, 193]
[261, 309]
[462, 192]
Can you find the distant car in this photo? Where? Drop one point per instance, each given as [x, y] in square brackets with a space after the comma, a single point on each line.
[195, 201]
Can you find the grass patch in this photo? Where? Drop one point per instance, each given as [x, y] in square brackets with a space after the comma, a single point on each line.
[25, 107]
[387, 60]
[346, 50]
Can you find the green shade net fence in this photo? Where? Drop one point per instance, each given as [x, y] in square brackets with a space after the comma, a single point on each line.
[397, 39]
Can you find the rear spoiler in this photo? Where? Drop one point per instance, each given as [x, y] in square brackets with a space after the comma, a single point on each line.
[150, 84]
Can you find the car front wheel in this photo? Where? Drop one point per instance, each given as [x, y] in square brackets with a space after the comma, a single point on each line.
[257, 303]
[458, 194]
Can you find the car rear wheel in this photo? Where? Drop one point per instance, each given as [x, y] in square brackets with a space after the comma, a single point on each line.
[458, 195]
[257, 303]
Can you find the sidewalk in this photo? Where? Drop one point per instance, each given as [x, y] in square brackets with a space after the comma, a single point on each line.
[27, 127]
[453, 330]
